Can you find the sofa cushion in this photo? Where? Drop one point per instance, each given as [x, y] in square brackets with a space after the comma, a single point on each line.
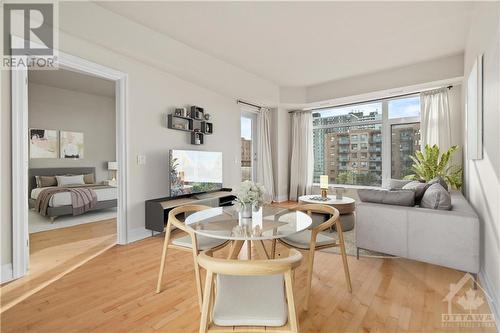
[397, 184]
[436, 197]
[418, 187]
[440, 181]
[395, 197]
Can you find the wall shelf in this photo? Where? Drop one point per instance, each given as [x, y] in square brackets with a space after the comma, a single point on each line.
[195, 123]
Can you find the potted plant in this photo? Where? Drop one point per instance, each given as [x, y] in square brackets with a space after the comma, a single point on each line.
[429, 164]
[249, 196]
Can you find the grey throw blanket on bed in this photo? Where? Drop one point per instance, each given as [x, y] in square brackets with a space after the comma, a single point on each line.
[82, 199]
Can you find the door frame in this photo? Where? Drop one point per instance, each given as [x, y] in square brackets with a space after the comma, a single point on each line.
[20, 142]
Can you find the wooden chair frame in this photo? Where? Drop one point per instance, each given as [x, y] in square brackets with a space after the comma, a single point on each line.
[173, 221]
[265, 267]
[333, 220]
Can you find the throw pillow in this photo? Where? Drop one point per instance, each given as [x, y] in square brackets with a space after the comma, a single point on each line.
[419, 189]
[396, 197]
[70, 180]
[440, 181]
[46, 181]
[436, 197]
[89, 178]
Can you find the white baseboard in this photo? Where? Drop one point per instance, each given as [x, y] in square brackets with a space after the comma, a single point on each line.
[137, 234]
[492, 300]
[7, 274]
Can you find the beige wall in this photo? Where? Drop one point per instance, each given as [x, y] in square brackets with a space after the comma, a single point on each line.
[483, 176]
[62, 109]
[162, 74]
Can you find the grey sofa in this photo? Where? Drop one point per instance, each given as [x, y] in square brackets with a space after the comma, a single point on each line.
[446, 238]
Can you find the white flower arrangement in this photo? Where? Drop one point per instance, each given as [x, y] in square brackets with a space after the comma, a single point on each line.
[250, 194]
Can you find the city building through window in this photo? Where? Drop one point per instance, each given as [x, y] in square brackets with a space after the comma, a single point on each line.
[366, 144]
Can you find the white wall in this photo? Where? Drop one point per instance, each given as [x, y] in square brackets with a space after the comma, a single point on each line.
[414, 74]
[62, 109]
[483, 176]
[162, 74]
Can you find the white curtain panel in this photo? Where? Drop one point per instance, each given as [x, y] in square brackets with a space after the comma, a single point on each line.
[435, 118]
[264, 157]
[302, 159]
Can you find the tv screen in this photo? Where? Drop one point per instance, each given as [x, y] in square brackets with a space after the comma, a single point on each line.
[194, 171]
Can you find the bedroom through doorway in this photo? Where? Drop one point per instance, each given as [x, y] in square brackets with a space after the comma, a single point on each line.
[72, 175]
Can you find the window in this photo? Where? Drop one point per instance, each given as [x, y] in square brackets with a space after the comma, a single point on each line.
[348, 133]
[248, 151]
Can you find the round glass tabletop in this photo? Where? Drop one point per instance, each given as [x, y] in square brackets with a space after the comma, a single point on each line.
[267, 223]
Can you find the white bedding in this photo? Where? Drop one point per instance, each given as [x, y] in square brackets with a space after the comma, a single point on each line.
[64, 198]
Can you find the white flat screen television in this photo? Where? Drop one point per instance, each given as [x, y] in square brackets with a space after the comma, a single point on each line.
[194, 171]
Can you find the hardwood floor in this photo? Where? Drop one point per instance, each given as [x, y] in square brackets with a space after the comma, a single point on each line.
[115, 292]
[53, 253]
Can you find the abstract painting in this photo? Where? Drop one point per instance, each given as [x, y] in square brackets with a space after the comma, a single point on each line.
[71, 144]
[43, 143]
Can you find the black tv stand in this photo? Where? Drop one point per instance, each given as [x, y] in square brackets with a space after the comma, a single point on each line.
[157, 209]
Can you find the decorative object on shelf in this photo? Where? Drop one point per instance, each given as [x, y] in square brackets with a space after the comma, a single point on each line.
[71, 144]
[207, 128]
[181, 112]
[197, 112]
[207, 116]
[113, 167]
[43, 143]
[323, 185]
[250, 197]
[430, 164]
[339, 192]
[475, 111]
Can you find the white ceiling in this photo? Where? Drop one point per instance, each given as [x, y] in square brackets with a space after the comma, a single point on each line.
[66, 79]
[306, 43]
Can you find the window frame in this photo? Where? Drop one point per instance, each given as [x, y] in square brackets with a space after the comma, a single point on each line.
[386, 133]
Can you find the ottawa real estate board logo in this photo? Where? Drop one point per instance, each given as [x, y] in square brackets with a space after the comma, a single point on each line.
[30, 35]
[469, 300]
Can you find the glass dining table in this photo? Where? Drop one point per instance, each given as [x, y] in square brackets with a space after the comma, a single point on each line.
[267, 223]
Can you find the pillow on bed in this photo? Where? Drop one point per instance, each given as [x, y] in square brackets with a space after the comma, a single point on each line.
[46, 181]
[70, 180]
[89, 178]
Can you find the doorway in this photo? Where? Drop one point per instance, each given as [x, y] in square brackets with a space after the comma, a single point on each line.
[20, 157]
[248, 145]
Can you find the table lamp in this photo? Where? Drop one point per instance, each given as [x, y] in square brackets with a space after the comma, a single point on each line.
[323, 185]
[113, 166]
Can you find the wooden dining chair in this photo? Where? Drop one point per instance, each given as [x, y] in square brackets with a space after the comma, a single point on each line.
[249, 295]
[312, 239]
[190, 243]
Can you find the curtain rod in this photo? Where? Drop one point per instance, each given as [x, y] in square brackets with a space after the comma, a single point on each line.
[367, 101]
[243, 102]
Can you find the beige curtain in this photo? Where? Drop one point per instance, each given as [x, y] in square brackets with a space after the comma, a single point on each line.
[302, 159]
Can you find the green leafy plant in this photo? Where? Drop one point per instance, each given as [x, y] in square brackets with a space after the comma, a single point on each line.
[430, 164]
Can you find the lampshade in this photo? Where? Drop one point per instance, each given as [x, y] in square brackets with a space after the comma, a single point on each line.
[323, 182]
[112, 166]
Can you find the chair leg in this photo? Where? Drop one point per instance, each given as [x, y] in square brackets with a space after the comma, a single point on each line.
[197, 275]
[310, 265]
[344, 257]
[206, 303]
[249, 250]
[292, 312]
[273, 249]
[163, 257]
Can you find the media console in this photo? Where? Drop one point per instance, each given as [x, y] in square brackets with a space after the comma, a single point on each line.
[157, 209]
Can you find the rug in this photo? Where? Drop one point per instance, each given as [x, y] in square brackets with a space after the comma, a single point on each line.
[37, 222]
[350, 246]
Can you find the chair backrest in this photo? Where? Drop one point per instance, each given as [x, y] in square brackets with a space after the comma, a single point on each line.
[322, 209]
[249, 267]
[172, 215]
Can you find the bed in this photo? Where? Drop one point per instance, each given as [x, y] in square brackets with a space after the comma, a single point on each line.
[60, 203]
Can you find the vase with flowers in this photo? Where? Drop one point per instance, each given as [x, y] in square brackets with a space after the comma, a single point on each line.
[250, 197]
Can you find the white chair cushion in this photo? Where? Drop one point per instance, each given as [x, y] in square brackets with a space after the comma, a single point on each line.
[250, 301]
[301, 239]
[204, 243]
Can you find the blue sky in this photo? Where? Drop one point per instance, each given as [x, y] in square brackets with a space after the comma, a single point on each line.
[246, 128]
